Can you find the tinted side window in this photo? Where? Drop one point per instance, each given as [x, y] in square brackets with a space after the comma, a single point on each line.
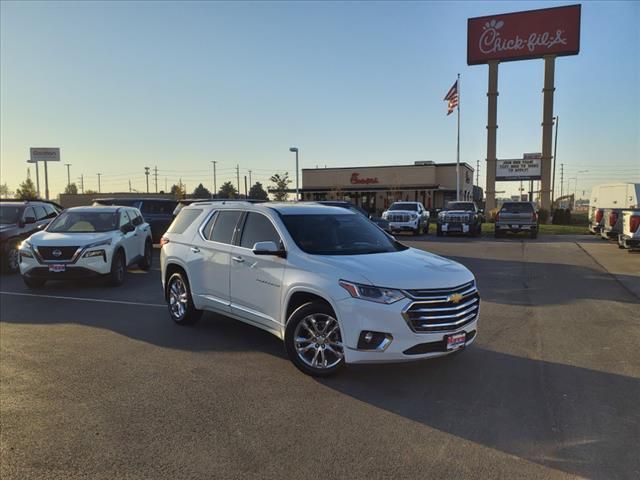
[185, 218]
[224, 226]
[51, 212]
[158, 207]
[28, 212]
[136, 218]
[40, 213]
[124, 218]
[517, 208]
[258, 228]
[206, 231]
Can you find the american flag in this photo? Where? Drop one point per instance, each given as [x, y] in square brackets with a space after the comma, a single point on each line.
[452, 98]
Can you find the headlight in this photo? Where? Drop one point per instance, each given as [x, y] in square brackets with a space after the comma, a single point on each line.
[25, 249]
[100, 243]
[95, 253]
[413, 216]
[25, 245]
[373, 294]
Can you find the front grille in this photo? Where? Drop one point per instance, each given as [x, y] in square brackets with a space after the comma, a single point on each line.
[398, 217]
[457, 218]
[66, 253]
[435, 311]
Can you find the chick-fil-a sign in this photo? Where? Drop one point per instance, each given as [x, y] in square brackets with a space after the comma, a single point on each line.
[524, 35]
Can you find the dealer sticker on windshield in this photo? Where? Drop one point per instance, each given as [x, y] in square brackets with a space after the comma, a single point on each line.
[456, 341]
[57, 268]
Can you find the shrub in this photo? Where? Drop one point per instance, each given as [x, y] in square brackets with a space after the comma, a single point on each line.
[543, 215]
[561, 216]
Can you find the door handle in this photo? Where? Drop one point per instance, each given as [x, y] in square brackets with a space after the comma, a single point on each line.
[238, 259]
[195, 249]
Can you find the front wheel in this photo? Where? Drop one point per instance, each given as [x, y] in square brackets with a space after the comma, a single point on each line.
[12, 259]
[118, 269]
[145, 263]
[439, 231]
[179, 300]
[313, 340]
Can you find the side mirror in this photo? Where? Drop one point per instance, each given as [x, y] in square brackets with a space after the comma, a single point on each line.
[127, 228]
[29, 220]
[268, 248]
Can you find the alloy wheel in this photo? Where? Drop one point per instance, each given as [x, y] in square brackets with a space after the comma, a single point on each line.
[178, 298]
[13, 260]
[318, 341]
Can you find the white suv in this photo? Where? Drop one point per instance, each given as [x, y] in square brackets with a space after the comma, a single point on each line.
[327, 281]
[86, 242]
[407, 216]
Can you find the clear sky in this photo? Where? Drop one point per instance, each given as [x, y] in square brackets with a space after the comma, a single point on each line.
[124, 85]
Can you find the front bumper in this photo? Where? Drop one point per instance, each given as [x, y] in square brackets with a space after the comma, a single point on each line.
[398, 226]
[357, 315]
[631, 242]
[83, 267]
[455, 227]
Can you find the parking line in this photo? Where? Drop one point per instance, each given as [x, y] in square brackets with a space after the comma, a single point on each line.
[95, 300]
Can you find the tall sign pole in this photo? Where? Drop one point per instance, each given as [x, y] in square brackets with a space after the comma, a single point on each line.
[555, 158]
[492, 130]
[547, 132]
[458, 148]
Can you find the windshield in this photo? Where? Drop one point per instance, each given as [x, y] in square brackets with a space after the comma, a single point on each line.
[84, 222]
[9, 214]
[460, 206]
[404, 206]
[338, 235]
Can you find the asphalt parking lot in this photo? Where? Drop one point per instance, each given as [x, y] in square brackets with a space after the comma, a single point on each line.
[98, 382]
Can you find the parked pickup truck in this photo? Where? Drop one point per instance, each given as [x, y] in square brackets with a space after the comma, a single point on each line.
[611, 223]
[595, 224]
[629, 237]
[407, 216]
[516, 217]
[460, 217]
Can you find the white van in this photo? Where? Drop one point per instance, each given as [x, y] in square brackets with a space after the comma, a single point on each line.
[611, 195]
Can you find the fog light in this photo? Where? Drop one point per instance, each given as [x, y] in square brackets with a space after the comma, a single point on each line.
[374, 340]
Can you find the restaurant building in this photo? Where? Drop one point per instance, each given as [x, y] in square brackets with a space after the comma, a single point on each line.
[375, 188]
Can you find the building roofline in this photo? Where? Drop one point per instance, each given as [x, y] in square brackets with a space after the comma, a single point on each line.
[391, 166]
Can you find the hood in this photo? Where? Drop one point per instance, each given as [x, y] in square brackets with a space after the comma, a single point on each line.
[66, 239]
[407, 269]
[458, 212]
[401, 211]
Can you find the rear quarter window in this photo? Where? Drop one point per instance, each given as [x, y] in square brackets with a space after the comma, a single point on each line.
[184, 219]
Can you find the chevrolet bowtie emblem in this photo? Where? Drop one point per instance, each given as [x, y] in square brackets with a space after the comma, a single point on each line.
[455, 298]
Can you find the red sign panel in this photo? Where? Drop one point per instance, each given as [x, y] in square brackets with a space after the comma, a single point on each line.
[356, 180]
[524, 35]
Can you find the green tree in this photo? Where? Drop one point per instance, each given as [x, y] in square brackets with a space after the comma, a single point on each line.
[227, 190]
[178, 190]
[90, 192]
[280, 186]
[71, 189]
[257, 192]
[27, 189]
[201, 192]
[4, 191]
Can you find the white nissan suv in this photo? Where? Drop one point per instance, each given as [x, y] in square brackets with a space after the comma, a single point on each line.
[85, 242]
[327, 281]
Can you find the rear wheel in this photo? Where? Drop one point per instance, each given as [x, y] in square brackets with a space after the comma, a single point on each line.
[145, 263]
[497, 234]
[313, 340]
[179, 300]
[118, 269]
[34, 282]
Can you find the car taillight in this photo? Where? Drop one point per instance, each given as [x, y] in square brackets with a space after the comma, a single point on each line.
[613, 218]
[164, 241]
[497, 216]
[599, 215]
[534, 217]
[634, 223]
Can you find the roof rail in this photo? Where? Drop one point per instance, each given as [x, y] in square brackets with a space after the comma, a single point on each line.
[25, 200]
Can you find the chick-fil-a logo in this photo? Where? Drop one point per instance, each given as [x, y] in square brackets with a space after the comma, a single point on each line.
[492, 42]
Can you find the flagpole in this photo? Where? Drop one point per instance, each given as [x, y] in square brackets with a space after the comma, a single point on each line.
[458, 147]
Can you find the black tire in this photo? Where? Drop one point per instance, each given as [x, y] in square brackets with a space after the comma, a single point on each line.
[438, 231]
[11, 259]
[147, 259]
[34, 282]
[324, 315]
[497, 234]
[425, 230]
[118, 269]
[534, 234]
[179, 300]
[416, 232]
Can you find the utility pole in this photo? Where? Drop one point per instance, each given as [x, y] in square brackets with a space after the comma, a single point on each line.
[37, 180]
[238, 177]
[215, 187]
[250, 183]
[155, 177]
[82, 183]
[561, 179]
[129, 185]
[146, 172]
[477, 173]
[68, 174]
[165, 185]
[245, 186]
[99, 190]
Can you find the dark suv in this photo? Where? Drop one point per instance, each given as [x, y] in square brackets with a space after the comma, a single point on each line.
[18, 220]
[157, 212]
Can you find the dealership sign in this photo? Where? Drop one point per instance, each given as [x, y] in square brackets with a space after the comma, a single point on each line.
[357, 180]
[524, 35]
[44, 155]
[526, 168]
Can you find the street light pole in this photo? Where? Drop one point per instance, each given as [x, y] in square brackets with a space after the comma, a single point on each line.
[215, 187]
[68, 175]
[146, 172]
[295, 150]
[99, 191]
[555, 153]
